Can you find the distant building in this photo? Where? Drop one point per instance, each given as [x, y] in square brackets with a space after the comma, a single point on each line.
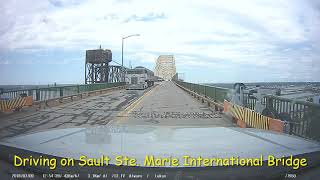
[165, 67]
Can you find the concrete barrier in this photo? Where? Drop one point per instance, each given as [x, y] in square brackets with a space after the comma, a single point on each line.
[14, 104]
[276, 125]
[3, 105]
[245, 117]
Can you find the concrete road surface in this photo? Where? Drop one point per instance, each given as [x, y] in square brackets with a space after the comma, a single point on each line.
[92, 111]
[167, 104]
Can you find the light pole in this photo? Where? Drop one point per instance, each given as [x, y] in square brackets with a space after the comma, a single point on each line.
[123, 38]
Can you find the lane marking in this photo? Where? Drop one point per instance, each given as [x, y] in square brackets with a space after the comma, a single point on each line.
[124, 114]
[138, 101]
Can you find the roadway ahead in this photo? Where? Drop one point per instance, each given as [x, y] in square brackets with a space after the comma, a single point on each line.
[166, 104]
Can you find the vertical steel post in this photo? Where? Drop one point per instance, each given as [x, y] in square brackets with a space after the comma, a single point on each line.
[122, 53]
[61, 91]
[29, 92]
[85, 73]
[37, 94]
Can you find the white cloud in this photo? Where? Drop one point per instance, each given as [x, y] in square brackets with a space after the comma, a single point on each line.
[260, 33]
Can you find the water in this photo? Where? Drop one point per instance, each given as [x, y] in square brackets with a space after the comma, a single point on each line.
[24, 87]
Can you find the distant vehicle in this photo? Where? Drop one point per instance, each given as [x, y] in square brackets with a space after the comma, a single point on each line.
[139, 78]
[159, 79]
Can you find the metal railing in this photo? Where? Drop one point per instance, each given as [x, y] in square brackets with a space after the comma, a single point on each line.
[217, 94]
[302, 118]
[41, 94]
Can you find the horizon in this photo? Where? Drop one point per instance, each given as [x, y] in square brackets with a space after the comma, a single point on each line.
[66, 84]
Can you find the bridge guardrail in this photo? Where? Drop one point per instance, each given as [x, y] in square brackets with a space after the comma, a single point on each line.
[300, 118]
[217, 94]
[41, 94]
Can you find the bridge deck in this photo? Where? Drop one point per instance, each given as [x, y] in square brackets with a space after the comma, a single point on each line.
[167, 104]
[92, 111]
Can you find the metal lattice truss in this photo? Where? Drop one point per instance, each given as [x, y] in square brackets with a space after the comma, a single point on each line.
[96, 73]
[103, 73]
[165, 67]
[116, 73]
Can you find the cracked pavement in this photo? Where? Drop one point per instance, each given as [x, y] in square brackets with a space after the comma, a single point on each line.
[168, 105]
[91, 111]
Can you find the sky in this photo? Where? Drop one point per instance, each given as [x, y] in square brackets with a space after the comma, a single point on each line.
[44, 41]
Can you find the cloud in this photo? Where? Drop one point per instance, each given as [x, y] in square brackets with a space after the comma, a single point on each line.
[4, 61]
[281, 36]
[64, 3]
[149, 17]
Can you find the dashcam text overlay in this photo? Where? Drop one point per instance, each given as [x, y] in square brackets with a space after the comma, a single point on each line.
[155, 161]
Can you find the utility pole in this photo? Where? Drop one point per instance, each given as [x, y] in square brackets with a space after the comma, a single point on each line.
[123, 38]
